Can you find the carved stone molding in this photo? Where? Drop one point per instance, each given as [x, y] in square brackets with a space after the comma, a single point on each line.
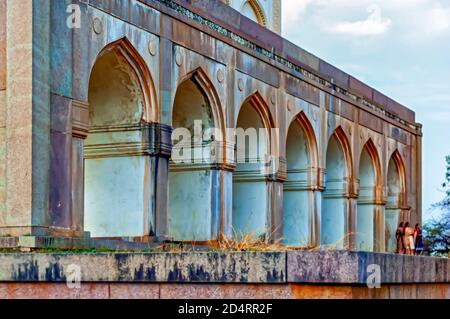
[80, 119]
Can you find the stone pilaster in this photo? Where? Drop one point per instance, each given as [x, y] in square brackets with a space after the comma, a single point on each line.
[163, 148]
[80, 129]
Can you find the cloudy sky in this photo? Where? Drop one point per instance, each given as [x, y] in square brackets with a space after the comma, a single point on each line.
[401, 47]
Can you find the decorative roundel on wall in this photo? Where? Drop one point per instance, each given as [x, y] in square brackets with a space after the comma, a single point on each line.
[273, 98]
[178, 59]
[241, 85]
[220, 76]
[152, 47]
[314, 114]
[97, 25]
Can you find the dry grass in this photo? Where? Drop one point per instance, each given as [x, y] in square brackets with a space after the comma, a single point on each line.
[246, 241]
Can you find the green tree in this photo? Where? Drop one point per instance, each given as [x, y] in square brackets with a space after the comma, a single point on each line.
[437, 231]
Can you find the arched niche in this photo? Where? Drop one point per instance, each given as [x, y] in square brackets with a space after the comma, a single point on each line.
[369, 172]
[395, 199]
[250, 180]
[194, 179]
[118, 187]
[298, 194]
[334, 198]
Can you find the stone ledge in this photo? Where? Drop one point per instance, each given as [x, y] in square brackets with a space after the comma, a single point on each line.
[28, 243]
[341, 267]
[212, 267]
[307, 267]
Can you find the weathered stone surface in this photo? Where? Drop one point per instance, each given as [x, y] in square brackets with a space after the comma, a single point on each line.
[227, 291]
[337, 267]
[321, 291]
[42, 179]
[14, 290]
[360, 88]
[134, 291]
[322, 266]
[152, 267]
[19, 113]
[2, 45]
[53, 291]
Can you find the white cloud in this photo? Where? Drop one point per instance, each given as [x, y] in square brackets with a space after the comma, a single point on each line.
[293, 10]
[438, 19]
[375, 24]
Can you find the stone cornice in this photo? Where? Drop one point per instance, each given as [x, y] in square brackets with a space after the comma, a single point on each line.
[303, 72]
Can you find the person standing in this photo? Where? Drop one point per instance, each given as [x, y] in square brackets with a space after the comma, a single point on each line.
[418, 240]
[409, 239]
[399, 235]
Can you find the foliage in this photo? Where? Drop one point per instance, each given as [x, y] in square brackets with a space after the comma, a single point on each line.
[437, 231]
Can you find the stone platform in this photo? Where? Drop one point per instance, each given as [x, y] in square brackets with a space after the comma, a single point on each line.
[30, 243]
[292, 274]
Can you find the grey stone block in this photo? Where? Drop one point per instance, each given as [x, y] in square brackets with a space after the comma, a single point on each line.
[208, 267]
[322, 267]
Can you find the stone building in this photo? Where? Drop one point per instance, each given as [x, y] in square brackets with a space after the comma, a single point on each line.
[90, 92]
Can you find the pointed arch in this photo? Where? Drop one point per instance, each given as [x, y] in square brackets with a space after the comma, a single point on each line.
[126, 50]
[204, 83]
[257, 102]
[301, 153]
[302, 120]
[335, 228]
[376, 164]
[346, 149]
[121, 96]
[399, 164]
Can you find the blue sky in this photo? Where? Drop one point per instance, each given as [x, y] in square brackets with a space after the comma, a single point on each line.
[400, 47]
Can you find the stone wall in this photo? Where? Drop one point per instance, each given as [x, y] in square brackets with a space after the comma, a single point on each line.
[234, 63]
[294, 274]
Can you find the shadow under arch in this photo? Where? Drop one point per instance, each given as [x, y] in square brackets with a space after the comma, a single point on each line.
[126, 50]
[252, 187]
[369, 222]
[300, 220]
[336, 225]
[302, 120]
[340, 135]
[199, 77]
[371, 149]
[396, 207]
[122, 102]
[196, 179]
[400, 166]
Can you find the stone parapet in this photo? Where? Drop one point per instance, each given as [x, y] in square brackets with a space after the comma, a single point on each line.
[292, 267]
